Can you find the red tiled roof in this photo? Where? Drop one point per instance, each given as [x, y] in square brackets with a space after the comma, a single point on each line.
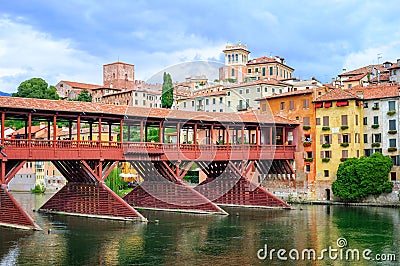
[356, 77]
[383, 77]
[261, 60]
[119, 110]
[270, 81]
[34, 129]
[364, 70]
[80, 85]
[337, 94]
[378, 91]
[214, 93]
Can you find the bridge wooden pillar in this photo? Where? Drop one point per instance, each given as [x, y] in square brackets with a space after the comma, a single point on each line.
[121, 131]
[195, 133]
[99, 129]
[163, 189]
[160, 132]
[109, 131]
[48, 129]
[86, 194]
[78, 129]
[29, 126]
[55, 128]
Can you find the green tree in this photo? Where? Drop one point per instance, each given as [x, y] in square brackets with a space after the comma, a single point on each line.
[167, 97]
[84, 96]
[36, 88]
[358, 178]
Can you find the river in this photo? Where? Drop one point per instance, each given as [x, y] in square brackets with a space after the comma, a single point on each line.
[246, 237]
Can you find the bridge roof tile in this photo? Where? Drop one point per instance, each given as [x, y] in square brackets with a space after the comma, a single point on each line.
[140, 112]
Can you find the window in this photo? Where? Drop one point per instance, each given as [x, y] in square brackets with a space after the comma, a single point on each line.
[309, 154]
[326, 139]
[229, 58]
[256, 69]
[325, 121]
[271, 71]
[240, 91]
[326, 154]
[376, 105]
[291, 105]
[365, 138]
[345, 154]
[376, 120]
[229, 103]
[214, 101]
[184, 105]
[365, 105]
[344, 120]
[237, 58]
[258, 89]
[247, 91]
[365, 121]
[392, 124]
[392, 142]
[318, 121]
[393, 176]
[221, 110]
[264, 107]
[144, 102]
[228, 93]
[308, 168]
[265, 89]
[306, 121]
[249, 70]
[207, 101]
[306, 104]
[263, 71]
[345, 138]
[376, 137]
[392, 105]
[220, 99]
[282, 105]
[233, 72]
[356, 120]
[326, 173]
[367, 152]
[192, 103]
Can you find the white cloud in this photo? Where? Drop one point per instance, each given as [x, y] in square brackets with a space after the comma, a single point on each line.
[387, 52]
[27, 53]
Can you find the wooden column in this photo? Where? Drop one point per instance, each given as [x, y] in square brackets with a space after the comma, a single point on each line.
[141, 131]
[48, 129]
[91, 131]
[283, 136]
[78, 129]
[195, 133]
[3, 172]
[178, 130]
[242, 136]
[257, 135]
[227, 135]
[160, 133]
[212, 135]
[99, 128]
[29, 126]
[121, 131]
[55, 127]
[70, 129]
[3, 118]
[129, 133]
[109, 131]
[270, 136]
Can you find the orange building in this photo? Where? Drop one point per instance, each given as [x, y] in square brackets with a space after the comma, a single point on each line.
[297, 106]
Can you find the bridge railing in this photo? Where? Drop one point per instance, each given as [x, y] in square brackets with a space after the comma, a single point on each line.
[60, 144]
[141, 147]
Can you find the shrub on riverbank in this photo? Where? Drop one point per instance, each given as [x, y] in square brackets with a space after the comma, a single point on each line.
[358, 178]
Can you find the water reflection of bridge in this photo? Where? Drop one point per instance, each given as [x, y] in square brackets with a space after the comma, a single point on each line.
[160, 144]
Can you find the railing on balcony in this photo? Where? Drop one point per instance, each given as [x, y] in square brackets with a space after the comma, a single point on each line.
[243, 107]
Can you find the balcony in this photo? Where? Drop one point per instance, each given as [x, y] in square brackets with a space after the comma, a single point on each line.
[200, 108]
[243, 107]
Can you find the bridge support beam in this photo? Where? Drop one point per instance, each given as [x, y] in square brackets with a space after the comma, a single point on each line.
[162, 189]
[228, 184]
[86, 194]
[11, 213]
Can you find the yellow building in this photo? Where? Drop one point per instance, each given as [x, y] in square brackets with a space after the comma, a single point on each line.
[338, 134]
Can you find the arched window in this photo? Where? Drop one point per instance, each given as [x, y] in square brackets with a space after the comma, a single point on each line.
[229, 58]
[237, 57]
[233, 72]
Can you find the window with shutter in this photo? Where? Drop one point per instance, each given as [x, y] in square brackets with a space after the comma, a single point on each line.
[291, 105]
[318, 121]
[306, 121]
[326, 121]
[344, 120]
[339, 139]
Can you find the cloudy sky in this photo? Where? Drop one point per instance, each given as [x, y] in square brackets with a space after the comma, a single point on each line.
[71, 40]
